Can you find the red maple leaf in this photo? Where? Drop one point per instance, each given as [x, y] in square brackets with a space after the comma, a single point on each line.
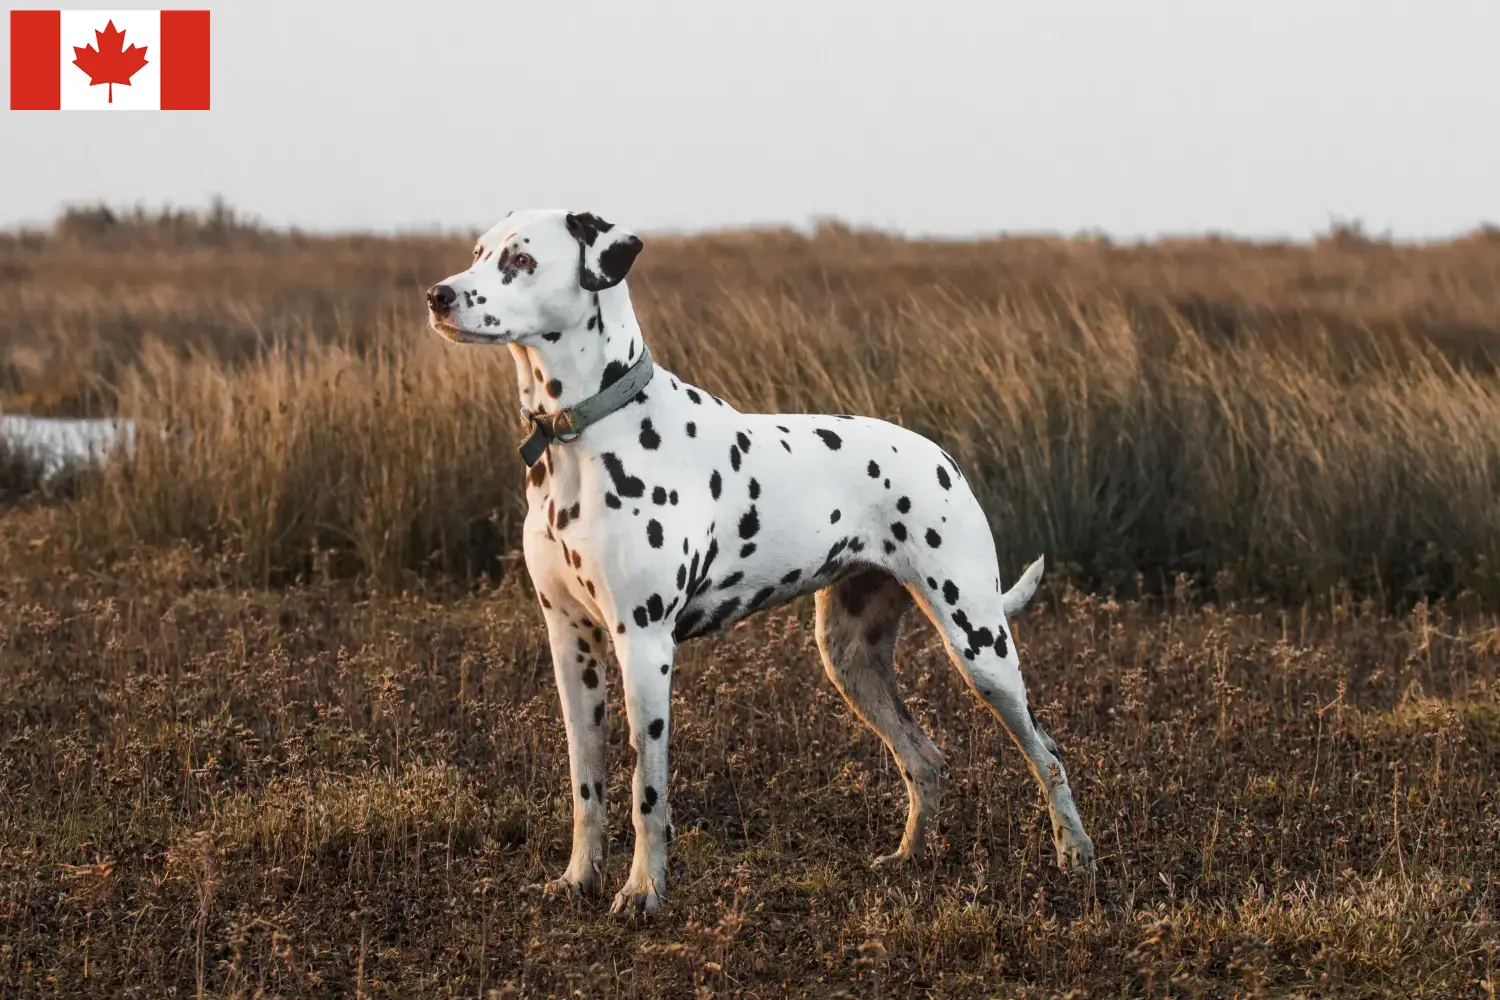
[111, 63]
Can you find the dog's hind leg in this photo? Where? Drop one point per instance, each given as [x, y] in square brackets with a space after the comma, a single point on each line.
[971, 618]
[858, 620]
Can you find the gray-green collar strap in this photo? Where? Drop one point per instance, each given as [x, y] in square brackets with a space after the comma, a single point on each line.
[566, 425]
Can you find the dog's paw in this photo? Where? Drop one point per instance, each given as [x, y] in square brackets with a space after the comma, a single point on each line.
[1075, 851]
[579, 880]
[639, 897]
[901, 858]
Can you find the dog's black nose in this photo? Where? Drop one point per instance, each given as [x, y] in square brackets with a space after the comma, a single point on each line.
[440, 299]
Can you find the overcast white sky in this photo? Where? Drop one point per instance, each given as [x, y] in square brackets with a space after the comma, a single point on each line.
[1133, 116]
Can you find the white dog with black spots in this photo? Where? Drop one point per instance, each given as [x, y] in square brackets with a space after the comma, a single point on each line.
[676, 515]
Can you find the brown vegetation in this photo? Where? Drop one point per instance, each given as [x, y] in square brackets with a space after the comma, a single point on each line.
[1275, 419]
[276, 717]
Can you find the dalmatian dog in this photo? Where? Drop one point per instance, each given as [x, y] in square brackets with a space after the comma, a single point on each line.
[672, 515]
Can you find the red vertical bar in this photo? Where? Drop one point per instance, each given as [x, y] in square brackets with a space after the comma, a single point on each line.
[184, 60]
[35, 60]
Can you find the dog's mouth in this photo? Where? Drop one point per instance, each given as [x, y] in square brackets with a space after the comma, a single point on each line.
[449, 330]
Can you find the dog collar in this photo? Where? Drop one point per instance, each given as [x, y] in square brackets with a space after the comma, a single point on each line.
[566, 425]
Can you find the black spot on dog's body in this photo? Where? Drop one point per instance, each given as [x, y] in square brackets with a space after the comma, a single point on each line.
[743, 440]
[786, 446]
[552, 337]
[950, 592]
[723, 613]
[792, 577]
[979, 638]
[754, 489]
[659, 496]
[666, 668]
[731, 580]
[888, 545]
[687, 625]
[612, 501]
[832, 440]
[747, 550]
[831, 562]
[761, 596]
[650, 799]
[681, 575]
[903, 505]
[599, 786]
[943, 479]
[654, 533]
[933, 538]
[693, 395]
[672, 498]
[599, 713]
[749, 523]
[899, 531]
[625, 484]
[554, 388]
[692, 429]
[715, 484]
[590, 678]
[734, 457]
[537, 474]
[873, 470]
[654, 607]
[613, 372]
[654, 730]
[640, 617]
[650, 440]
[834, 517]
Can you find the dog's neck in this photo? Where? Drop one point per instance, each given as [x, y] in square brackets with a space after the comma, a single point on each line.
[553, 375]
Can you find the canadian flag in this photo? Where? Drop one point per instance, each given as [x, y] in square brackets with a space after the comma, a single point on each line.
[109, 60]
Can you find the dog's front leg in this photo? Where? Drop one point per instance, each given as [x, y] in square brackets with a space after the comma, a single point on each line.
[578, 651]
[646, 662]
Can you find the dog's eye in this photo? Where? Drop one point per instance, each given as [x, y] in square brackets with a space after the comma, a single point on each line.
[524, 261]
[477, 252]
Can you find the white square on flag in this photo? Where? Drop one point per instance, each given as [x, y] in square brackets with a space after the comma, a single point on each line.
[81, 29]
[109, 60]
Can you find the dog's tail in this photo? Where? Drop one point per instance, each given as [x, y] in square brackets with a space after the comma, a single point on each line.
[1015, 598]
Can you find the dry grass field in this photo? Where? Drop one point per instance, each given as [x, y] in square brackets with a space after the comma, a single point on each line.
[276, 711]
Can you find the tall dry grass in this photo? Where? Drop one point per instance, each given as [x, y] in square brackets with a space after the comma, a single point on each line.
[1121, 451]
[1275, 418]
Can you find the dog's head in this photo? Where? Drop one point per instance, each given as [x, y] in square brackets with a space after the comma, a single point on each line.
[533, 274]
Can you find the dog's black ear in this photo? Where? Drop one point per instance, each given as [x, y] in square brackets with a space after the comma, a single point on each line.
[605, 251]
